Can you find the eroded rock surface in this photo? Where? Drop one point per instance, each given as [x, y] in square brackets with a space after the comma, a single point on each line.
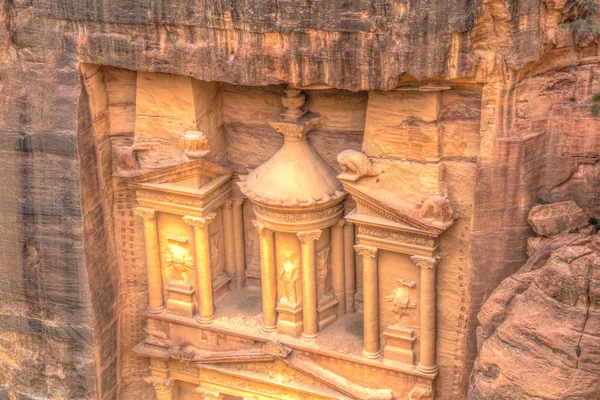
[539, 330]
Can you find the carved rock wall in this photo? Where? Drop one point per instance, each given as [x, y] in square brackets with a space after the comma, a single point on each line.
[59, 274]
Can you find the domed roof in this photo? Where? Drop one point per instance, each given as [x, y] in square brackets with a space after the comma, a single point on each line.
[294, 176]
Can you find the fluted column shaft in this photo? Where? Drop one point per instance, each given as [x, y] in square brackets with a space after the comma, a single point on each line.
[156, 302]
[310, 324]
[268, 276]
[371, 347]
[240, 248]
[206, 309]
[350, 272]
[338, 280]
[230, 261]
[427, 358]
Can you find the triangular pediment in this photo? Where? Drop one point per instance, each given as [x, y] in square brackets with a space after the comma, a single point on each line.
[403, 213]
[195, 177]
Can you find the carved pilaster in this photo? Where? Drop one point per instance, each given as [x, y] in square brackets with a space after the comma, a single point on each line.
[310, 325]
[349, 267]
[229, 228]
[268, 276]
[156, 302]
[427, 265]
[371, 300]
[203, 268]
[162, 386]
[338, 280]
[240, 247]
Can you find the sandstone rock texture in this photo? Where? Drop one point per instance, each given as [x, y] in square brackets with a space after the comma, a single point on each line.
[92, 90]
[539, 329]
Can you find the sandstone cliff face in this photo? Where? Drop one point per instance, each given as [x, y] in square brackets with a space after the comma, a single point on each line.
[63, 292]
[539, 329]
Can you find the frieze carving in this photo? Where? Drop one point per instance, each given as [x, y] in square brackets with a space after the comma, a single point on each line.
[396, 236]
[421, 392]
[208, 394]
[297, 215]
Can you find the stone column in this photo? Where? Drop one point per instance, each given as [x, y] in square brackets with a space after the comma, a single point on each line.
[228, 228]
[206, 308]
[156, 303]
[310, 320]
[240, 247]
[371, 300]
[427, 359]
[350, 272]
[162, 386]
[268, 276]
[338, 280]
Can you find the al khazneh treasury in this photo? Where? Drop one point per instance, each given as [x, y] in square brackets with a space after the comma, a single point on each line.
[310, 321]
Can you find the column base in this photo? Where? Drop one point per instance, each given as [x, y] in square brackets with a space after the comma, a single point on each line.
[268, 329]
[340, 308]
[203, 320]
[349, 301]
[152, 310]
[399, 346]
[371, 355]
[253, 282]
[428, 370]
[326, 312]
[309, 336]
[289, 321]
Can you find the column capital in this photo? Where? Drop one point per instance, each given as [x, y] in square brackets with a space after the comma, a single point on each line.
[425, 262]
[237, 201]
[161, 385]
[199, 222]
[227, 204]
[339, 224]
[366, 251]
[208, 394]
[262, 230]
[148, 214]
[309, 236]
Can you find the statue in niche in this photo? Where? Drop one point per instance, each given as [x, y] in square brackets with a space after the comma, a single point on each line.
[401, 299]
[177, 256]
[323, 275]
[214, 253]
[289, 274]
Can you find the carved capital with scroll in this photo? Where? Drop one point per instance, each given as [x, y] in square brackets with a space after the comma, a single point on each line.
[309, 236]
[425, 262]
[147, 214]
[161, 385]
[366, 251]
[200, 222]
[262, 230]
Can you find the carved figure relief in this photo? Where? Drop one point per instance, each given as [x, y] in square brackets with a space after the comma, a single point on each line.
[323, 274]
[356, 163]
[177, 257]
[401, 299]
[289, 274]
[214, 253]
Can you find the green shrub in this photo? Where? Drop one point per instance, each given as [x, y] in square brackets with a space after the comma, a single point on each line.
[595, 110]
[542, 201]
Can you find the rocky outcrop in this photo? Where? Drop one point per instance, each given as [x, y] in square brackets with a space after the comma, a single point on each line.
[538, 337]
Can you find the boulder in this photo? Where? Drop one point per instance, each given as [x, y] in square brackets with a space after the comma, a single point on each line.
[552, 219]
[539, 330]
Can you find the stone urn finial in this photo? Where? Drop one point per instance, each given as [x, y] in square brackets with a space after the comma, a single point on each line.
[293, 99]
[194, 144]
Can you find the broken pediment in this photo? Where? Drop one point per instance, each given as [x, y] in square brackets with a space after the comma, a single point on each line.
[197, 183]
